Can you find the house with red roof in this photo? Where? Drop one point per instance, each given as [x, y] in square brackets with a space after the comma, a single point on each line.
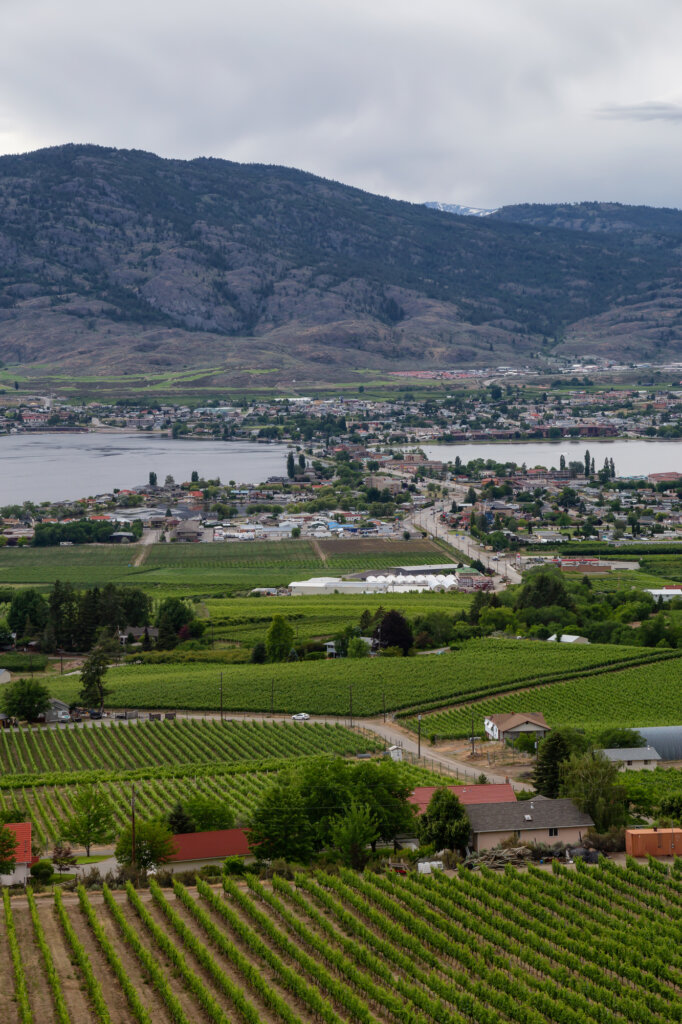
[23, 854]
[480, 793]
[196, 849]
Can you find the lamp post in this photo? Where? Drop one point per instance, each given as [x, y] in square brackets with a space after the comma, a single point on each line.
[419, 736]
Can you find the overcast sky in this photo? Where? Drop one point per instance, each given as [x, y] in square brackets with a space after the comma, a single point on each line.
[481, 103]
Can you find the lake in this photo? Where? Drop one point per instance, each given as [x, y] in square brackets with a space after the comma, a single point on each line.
[631, 458]
[56, 467]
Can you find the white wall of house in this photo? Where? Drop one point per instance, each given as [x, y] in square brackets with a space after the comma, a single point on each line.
[19, 876]
[487, 840]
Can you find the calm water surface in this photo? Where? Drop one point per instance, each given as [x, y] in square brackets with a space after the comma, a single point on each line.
[631, 458]
[44, 467]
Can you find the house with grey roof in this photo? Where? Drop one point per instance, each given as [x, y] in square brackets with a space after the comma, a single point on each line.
[634, 759]
[510, 725]
[539, 820]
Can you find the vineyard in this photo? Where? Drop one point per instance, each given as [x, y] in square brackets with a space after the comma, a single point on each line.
[573, 947]
[324, 687]
[48, 798]
[167, 762]
[648, 694]
[245, 621]
[232, 761]
[157, 744]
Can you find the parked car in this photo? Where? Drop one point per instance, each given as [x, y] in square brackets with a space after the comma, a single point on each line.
[63, 716]
[300, 717]
[95, 714]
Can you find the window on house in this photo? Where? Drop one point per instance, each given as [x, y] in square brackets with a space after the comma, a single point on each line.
[517, 834]
[554, 831]
[628, 762]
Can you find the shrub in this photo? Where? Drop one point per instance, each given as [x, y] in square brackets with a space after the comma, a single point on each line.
[42, 871]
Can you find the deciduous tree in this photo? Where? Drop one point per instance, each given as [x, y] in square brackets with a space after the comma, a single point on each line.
[92, 822]
[444, 823]
[153, 845]
[25, 698]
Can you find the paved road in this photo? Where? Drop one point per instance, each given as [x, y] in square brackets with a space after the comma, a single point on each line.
[429, 521]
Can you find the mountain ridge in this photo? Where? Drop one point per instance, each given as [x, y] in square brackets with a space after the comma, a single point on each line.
[115, 259]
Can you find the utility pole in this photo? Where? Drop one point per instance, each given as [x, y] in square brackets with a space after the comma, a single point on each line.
[473, 744]
[351, 704]
[132, 826]
[419, 736]
[383, 697]
[221, 697]
[272, 697]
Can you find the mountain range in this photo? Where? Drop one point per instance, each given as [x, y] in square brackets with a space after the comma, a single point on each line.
[113, 261]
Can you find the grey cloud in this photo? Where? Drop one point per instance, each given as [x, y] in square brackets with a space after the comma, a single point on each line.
[481, 104]
[650, 111]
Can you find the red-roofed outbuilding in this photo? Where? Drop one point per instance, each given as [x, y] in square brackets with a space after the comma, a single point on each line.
[192, 849]
[480, 793]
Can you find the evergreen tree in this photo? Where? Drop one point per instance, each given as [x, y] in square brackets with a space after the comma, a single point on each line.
[291, 465]
[279, 639]
[93, 691]
[179, 821]
[395, 631]
[552, 752]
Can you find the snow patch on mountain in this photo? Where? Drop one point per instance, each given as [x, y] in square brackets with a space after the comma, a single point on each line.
[461, 211]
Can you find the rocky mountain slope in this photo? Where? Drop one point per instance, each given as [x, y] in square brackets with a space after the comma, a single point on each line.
[115, 260]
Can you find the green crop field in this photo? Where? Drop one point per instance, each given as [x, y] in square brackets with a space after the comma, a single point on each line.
[207, 568]
[590, 946]
[83, 565]
[648, 694]
[324, 687]
[246, 620]
[646, 789]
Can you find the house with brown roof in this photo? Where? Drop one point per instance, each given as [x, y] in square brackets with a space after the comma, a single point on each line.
[539, 820]
[510, 726]
[480, 793]
[23, 855]
[196, 849]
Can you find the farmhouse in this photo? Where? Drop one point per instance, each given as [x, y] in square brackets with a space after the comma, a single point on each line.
[530, 821]
[510, 726]
[23, 855]
[633, 758]
[567, 638]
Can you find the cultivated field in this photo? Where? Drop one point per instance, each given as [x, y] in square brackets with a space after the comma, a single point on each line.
[648, 694]
[209, 568]
[186, 741]
[591, 945]
[324, 687]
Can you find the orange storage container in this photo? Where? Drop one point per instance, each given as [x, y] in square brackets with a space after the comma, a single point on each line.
[654, 842]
